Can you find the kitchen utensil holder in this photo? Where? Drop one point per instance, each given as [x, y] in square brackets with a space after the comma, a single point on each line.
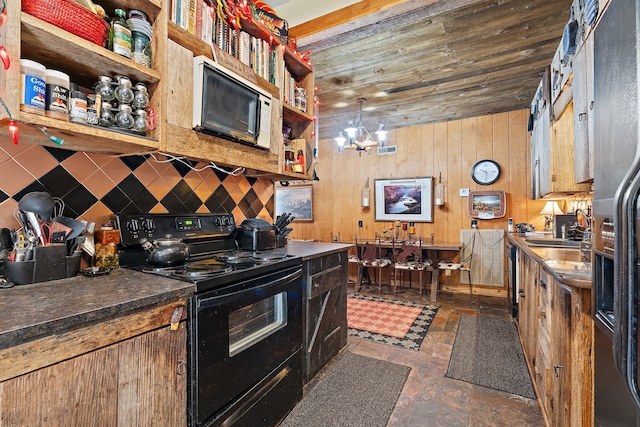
[50, 263]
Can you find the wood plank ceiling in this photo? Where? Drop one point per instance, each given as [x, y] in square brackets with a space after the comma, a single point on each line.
[427, 61]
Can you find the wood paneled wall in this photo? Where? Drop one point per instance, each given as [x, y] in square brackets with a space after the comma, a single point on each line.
[450, 148]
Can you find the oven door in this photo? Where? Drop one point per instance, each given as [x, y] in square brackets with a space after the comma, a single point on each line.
[240, 335]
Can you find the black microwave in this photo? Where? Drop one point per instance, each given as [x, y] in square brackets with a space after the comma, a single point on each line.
[230, 106]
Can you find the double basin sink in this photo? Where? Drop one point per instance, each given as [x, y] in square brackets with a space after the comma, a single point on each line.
[552, 242]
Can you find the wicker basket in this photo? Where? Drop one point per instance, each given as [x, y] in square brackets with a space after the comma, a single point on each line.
[69, 16]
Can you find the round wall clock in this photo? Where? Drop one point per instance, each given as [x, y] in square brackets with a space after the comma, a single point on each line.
[486, 172]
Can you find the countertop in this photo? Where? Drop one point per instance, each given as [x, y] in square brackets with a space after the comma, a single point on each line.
[564, 264]
[37, 310]
[309, 250]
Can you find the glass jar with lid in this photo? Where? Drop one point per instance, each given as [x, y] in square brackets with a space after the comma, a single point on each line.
[124, 93]
[140, 123]
[104, 89]
[124, 119]
[106, 116]
[140, 97]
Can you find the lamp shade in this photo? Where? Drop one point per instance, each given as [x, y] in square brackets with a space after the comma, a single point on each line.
[551, 208]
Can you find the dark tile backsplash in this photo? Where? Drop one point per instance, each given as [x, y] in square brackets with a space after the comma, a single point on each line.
[93, 186]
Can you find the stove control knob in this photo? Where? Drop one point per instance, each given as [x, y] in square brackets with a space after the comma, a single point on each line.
[148, 226]
[133, 227]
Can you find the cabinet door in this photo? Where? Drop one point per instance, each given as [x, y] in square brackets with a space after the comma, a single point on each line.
[326, 316]
[559, 402]
[137, 382]
[77, 392]
[152, 380]
[542, 368]
[528, 305]
[583, 112]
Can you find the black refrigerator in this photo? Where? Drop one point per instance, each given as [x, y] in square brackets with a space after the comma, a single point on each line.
[615, 291]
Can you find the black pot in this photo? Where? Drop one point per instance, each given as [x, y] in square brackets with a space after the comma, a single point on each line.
[165, 252]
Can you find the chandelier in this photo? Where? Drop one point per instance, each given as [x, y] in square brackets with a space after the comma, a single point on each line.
[358, 137]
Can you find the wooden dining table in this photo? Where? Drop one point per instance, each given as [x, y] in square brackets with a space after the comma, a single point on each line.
[432, 249]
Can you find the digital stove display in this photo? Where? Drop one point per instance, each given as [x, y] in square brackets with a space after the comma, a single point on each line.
[188, 224]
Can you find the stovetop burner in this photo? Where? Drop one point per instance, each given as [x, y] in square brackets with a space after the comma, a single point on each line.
[196, 270]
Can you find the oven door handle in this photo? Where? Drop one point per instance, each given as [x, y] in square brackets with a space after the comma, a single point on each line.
[275, 285]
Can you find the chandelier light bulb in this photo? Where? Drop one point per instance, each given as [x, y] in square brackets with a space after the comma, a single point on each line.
[341, 140]
[351, 131]
[381, 133]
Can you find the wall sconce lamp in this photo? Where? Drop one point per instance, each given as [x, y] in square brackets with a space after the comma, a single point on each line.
[550, 210]
[365, 195]
[439, 192]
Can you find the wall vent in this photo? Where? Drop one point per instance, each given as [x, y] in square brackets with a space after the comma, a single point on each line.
[387, 149]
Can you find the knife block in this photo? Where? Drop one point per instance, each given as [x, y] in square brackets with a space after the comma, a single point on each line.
[50, 263]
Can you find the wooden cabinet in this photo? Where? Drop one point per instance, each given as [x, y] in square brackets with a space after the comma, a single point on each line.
[28, 37]
[116, 376]
[556, 331]
[169, 81]
[326, 309]
[552, 148]
[540, 111]
[528, 305]
[562, 174]
[583, 105]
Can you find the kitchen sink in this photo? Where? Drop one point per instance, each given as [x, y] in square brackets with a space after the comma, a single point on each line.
[552, 242]
[574, 268]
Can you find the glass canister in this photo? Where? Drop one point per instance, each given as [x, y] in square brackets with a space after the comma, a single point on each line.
[106, 116]
[140, 97]
[140, 123]
[104, 89]
[141, 37]
[78, 107]
[124, 119]
[141, 48]
[124, 93]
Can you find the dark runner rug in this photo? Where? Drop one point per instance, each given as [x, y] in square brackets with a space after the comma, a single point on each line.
[388, 321]
[488, 352]
[357, 392]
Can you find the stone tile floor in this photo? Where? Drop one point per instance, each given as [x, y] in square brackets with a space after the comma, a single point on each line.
[430, 399]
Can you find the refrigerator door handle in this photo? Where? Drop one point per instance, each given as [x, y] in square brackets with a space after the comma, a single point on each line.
[626, 277]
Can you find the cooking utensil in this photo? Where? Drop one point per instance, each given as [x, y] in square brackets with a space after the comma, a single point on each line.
[40, 203]
[76, 226]
[165, 252]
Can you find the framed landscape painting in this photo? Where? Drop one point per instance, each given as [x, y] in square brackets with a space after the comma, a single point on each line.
[408, 199]
[296, 200]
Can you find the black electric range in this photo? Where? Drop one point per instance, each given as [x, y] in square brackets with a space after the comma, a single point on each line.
[244, 323]
[214, 259]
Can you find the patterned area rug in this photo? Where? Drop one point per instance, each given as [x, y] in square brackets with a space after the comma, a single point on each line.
[387, 321]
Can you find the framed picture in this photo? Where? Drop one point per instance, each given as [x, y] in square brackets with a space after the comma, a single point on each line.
[487, 204]
[296, 200]
[408, 199]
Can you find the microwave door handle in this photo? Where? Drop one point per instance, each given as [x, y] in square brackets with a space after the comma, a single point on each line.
[258, 118]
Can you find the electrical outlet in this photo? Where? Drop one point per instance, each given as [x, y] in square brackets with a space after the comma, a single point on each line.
[360, 224]
[464, 192]
[447, 272]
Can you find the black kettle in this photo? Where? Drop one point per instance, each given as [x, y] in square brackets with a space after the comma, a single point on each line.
[165, 252]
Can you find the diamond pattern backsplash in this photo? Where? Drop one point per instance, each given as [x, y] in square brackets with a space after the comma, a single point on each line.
[94, 187]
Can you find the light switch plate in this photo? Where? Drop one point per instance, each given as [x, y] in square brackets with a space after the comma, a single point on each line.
[464, 192]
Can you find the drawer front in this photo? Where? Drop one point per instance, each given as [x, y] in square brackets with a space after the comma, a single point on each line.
[327, 280]
[318, 265]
